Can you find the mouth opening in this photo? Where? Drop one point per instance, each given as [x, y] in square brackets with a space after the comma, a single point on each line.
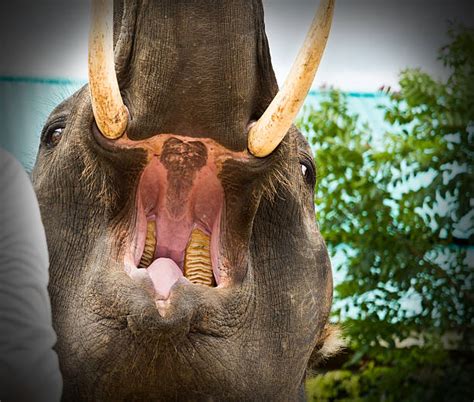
[179, 203]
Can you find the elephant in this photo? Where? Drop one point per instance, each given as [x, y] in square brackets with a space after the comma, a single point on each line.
[177, 197]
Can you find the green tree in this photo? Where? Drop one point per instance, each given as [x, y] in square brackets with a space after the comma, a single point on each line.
[399, 207]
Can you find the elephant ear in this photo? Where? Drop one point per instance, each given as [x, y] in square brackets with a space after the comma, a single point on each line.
[330, 343]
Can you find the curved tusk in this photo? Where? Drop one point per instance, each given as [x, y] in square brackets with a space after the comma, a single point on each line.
[269, 130]
[110, 113]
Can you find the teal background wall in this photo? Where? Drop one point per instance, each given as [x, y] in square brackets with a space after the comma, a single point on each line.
[25, 104]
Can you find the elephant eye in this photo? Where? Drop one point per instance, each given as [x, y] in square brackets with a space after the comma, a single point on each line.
[308, 171]
[52, 134]
[304, 169]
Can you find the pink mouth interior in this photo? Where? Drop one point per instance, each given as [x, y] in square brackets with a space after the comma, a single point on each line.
[177, 202]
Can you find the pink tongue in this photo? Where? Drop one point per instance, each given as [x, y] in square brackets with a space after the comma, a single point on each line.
[164, 273]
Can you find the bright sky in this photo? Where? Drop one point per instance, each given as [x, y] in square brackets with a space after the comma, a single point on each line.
[370, 42]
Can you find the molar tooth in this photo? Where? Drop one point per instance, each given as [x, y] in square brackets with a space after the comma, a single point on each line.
[150, 245]
[197, 261]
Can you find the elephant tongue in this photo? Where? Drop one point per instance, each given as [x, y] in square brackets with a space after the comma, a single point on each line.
[164, 273]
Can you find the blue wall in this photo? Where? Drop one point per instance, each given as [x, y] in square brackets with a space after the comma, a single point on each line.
[25, 103]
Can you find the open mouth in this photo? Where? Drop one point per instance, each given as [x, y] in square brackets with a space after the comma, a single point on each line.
[179, 201]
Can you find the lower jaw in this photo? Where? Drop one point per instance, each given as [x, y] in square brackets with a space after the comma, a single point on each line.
[162, 273]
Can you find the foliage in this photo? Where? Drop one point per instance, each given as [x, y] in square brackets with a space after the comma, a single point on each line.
[438, 379]
[398, 206]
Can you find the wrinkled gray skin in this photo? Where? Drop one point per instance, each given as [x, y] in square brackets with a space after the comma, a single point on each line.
[200, 69]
